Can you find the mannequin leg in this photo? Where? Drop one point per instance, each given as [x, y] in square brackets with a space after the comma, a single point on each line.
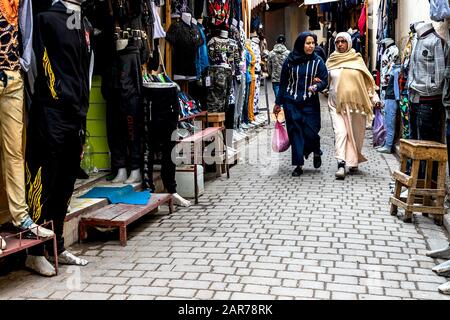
[443, 269]
[121, 176]
[116, 134]
[444, 288]
[443, 253]
[135, 177]
[12, 157]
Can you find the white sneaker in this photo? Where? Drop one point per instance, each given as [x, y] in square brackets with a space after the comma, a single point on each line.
[404, 194]
[135, 177]
[40, 265]
[121, 176]
[180, 201]
[444, 288]
[67, 257]
[340, 173]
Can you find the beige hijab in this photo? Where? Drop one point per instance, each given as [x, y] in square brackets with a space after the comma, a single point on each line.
[358, 100]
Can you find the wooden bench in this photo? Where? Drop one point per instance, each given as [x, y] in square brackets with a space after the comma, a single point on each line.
[121, 215]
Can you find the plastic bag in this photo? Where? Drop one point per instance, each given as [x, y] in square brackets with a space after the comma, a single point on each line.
[280, 138]
[379, 131]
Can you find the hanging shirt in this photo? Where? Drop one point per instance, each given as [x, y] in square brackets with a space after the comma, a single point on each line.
[185, 40]
[219, 12]
[9, 40]
[387, 61]
[202, 61]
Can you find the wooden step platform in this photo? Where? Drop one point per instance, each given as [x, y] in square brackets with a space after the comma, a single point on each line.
[121, 215]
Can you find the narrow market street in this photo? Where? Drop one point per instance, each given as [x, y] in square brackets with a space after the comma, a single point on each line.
[262, 234]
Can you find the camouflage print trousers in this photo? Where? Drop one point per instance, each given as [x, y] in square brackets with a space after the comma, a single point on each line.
[219, 91]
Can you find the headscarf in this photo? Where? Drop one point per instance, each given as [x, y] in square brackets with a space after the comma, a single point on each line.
[298, 55]
[350, 59]
[347, 37]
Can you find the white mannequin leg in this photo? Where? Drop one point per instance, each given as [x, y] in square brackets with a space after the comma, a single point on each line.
[135, 177]
[180, 201]
[66, 257]
[2, 245]
[40, 265]
[121, 176]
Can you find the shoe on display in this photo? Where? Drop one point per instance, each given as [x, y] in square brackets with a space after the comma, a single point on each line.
[121, 176]
[245, 126]
[384, 150]
[443, 253]
[40, 265]
[317, 160]
[444, 288]
[298, 171]
[442, 269]
[66, 257]
[135, 177]
[404, 193]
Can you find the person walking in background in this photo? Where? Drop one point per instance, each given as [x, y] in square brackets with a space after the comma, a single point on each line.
[303, 76]
[352, 94]
[276, 59]
[318, 49]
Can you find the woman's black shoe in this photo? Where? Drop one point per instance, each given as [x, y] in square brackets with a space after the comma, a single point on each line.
[317, 161]
[297, 172]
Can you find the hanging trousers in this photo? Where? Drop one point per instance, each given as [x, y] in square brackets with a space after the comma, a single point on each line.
[426, 123]
[219, 92]
[251, 101]
[11, 145]
[161, 110]
[240, 96]
[54, 145]
[124, 110]
[244, 118]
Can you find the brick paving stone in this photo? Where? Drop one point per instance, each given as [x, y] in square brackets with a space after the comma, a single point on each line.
[263, 234]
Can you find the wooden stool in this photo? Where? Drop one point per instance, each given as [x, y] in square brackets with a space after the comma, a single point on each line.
[424, 195]
[213, 119]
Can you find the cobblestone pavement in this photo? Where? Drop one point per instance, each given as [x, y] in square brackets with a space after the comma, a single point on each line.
[262, 234]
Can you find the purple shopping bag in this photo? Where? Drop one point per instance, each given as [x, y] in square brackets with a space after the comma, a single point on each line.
[379, 131]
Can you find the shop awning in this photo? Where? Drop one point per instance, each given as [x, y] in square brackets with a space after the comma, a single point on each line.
[318, 1]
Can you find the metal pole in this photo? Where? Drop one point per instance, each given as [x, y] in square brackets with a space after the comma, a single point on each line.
[267, 100]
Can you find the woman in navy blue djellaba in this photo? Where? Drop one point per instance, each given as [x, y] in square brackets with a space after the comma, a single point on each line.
[303, 76]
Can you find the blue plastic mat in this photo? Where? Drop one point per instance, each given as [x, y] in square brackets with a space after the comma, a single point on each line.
[125, 195]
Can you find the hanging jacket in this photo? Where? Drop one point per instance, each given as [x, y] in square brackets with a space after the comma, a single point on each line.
[63, 58]
[387, 61]
[427, 65]
[439, 10]
[201, 61]
[276, 59]
[296, 79]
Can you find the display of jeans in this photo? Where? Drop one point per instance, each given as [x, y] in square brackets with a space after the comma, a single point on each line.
[185, 40]
[426, 123]
[122, 92]
[245, 118]
[219, 91]
[161, 112]
[240, 100]
[391, 99]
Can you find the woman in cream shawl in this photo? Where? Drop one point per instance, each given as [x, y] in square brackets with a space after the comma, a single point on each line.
[351, 98]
